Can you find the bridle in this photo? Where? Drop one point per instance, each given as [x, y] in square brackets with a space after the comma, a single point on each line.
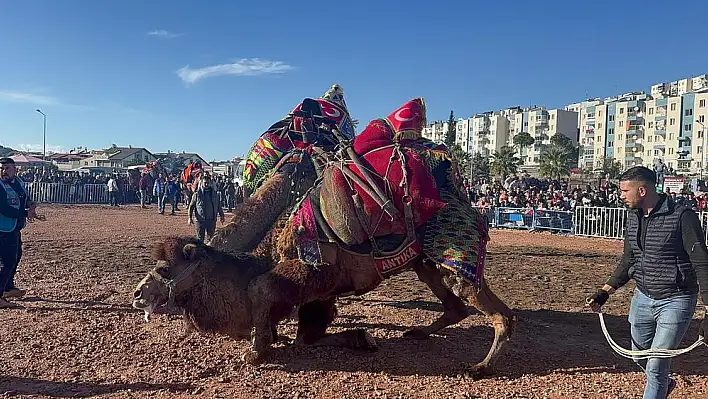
[170, 284]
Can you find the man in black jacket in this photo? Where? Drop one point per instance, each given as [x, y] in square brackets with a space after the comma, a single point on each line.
[665, 254]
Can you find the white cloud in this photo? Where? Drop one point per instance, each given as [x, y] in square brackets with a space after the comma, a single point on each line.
[38, 148]
[20, 97]
[242, 67]
[164, 34]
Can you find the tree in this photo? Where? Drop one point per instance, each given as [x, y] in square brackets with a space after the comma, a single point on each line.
[463, 159]
[173, 164]
[451, 133]
[611, 167]
[554, 162]
[523, 140]
[566, 143]
[504, 162]
[6, 151]
[479, 167]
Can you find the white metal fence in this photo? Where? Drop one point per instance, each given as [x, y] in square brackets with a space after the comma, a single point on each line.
[588, 221]
[62, 193]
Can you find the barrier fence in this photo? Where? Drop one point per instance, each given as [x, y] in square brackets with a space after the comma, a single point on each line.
[588, 221]
[61, 193]
[584, 221]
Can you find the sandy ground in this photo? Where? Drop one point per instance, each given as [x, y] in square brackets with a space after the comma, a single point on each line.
[77, 335]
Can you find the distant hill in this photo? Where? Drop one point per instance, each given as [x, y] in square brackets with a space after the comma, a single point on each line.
[6, 151]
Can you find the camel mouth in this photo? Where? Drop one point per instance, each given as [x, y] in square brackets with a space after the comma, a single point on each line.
[146, 307]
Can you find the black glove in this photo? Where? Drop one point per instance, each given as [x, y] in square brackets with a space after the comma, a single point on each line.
[599, 298]
[703, 330]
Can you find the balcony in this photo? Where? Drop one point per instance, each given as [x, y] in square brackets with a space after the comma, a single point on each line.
[635, 145]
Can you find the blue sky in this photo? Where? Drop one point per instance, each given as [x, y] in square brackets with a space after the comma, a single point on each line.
[101, 77]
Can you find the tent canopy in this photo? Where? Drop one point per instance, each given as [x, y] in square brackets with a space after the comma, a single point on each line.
[26, 160]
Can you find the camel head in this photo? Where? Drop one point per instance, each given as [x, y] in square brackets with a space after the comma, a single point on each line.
[178, 266]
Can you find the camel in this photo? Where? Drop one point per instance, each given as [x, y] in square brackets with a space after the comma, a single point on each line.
[289, 283]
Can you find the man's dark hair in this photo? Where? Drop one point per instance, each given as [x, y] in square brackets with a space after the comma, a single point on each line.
[641, 174]
[5, 160]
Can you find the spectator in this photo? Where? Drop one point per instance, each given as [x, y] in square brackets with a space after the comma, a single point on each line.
[113, 190]
[173, 193]
[205, 205]
[159, 191]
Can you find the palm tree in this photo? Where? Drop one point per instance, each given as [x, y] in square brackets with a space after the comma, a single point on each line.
[504, 162]
[523, 140]
[463, 159]
[555, 162]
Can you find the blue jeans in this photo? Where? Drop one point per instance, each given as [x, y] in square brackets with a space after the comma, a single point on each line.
[161, 202]
[659, 323]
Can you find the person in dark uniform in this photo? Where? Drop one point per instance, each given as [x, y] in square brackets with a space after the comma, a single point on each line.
[16, 209]
[665, 254]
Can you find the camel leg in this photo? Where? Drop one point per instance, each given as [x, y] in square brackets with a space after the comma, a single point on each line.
[313, 320]
[454, 309]
[503, 320]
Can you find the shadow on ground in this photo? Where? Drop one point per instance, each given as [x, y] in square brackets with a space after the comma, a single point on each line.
[12, 386]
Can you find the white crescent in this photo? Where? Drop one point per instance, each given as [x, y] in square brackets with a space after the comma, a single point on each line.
[398, 116]
[336, 113]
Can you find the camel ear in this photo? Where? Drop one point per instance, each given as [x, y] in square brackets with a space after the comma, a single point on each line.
[191, 252]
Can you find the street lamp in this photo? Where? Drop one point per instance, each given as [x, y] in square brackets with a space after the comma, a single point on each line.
[703, 147]
[44, 139]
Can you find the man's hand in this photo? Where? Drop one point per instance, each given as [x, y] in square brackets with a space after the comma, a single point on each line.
[598, 299]
[190, 221]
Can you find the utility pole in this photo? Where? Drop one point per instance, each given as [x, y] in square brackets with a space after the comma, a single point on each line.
[44, 141]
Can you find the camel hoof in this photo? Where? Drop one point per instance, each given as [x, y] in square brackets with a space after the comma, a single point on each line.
[251, 357]
[415, 333]
[365, 341]
[476, 372]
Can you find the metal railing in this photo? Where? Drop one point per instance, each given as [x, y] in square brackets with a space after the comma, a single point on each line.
[63, 193]
[587, 221]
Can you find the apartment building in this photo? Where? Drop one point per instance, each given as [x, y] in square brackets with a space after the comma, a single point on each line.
[680, 87]
[638, 129]
[483, 133]
[542, 124]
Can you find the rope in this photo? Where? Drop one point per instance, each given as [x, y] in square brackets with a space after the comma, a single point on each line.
[658, 353]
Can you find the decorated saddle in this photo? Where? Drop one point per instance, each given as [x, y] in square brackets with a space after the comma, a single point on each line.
[289, 134]
[409, 170]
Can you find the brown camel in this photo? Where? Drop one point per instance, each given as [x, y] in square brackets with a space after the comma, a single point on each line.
[273, 281]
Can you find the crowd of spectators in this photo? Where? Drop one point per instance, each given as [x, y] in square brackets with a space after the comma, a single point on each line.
[545, 194]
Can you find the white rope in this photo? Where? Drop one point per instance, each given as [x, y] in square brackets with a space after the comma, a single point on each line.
[659, 353]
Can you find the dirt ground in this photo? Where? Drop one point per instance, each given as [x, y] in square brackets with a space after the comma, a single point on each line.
[77, 335]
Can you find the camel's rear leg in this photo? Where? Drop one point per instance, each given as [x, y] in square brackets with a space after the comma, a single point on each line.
[454, 309]
[503, 320]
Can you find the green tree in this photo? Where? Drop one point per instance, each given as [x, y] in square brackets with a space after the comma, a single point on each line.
[451, 133]
[463, 159]
[504, 162]
[554, 162]
[479, 168]
[611, 167]
[523, 140]
[566, 143]
[6, 151]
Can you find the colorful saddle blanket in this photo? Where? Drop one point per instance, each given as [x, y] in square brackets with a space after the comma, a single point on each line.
[287, 134]
[454, 235]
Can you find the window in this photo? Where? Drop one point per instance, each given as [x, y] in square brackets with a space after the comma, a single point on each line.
[673, 107]
[671, 136]
[686, 128]
[671, 151]
[649, 138]
[688, 112]
[611, 130]
[651, 111]
[621, 123]
[599, 125]
[599, 138]
[702, 118]
[672, 122]
[609, 144]
[702, 104]
[611, 118]
[621, 111]
[599, 113]
[651, 124]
